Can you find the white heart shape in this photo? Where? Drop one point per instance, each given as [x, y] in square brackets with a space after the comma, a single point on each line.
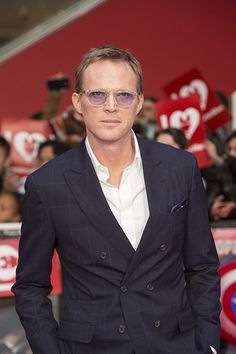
[198, 86]
[20, 141]
[189, 117]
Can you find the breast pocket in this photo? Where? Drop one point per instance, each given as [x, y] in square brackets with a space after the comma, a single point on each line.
[178, 216]
[179, 207]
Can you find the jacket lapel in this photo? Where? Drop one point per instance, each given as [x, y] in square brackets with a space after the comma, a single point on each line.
[84, 184]
[155, 176]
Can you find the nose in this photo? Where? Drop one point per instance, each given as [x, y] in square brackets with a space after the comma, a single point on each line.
[110, 103]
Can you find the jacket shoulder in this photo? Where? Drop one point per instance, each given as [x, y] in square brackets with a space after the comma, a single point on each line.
[54, 168]
[166, 153]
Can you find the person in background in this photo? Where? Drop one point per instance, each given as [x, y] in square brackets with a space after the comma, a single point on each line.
[10, 207]
[149, 108]
[215, 140]
[173, 137]
[221, 186]
[4, 160]
[66, 126]
[212, 149]
[49, 149]
[147, 118]
[56, 85]
[129, 221]
[230, 147]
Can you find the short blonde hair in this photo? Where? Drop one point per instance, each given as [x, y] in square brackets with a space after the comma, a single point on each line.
[109, 53]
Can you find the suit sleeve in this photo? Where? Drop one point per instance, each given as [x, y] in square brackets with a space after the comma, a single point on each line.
[33, 285]
[201, 264]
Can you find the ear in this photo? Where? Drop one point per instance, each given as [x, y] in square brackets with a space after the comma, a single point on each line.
[76, 102]
[140, 104]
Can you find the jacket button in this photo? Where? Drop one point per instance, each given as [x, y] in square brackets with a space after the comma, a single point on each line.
[150, 287]
[122, 329]
[123, 288]
[103, 254]
[163, 247]
[157, 323]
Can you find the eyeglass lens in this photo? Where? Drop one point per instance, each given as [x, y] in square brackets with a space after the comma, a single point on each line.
[123, 99]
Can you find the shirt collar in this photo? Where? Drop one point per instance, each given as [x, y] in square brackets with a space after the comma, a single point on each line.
[99, 167]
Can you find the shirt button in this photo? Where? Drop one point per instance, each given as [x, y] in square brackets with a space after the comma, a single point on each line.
[123, 288]
[163, 247]
[122, 329]
[150, 287]
[157, 323]
[103, 254]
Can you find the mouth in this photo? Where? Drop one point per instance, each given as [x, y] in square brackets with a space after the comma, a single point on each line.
[110, 122]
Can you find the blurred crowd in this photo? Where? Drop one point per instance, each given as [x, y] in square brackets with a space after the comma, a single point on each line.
[220, 177]
[67, 129]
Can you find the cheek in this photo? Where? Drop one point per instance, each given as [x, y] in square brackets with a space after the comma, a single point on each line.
[128, 117]
[89, 112]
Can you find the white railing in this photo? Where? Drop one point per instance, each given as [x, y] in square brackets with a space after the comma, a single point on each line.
[44, 29]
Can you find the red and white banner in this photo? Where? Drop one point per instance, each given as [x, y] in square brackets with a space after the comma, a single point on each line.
[9, 259]
[8, 263]
[225, 241]
[214, 112]
[185, 114]
[24, 135]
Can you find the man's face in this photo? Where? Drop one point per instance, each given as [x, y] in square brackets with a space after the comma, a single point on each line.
[109, 123]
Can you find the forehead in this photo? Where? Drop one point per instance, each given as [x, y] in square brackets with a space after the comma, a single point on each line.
[166, 138]
[109, 74]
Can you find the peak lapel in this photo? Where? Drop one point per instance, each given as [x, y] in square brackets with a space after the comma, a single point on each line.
[84, 184]
[155, 176]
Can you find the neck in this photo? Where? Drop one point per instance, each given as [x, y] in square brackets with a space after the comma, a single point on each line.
[116, 156]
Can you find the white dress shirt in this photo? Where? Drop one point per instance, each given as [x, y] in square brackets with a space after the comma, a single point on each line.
[128, 202]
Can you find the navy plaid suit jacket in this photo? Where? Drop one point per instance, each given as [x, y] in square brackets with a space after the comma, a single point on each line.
[162, 298]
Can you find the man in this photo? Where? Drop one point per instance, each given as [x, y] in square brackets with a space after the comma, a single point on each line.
[129, 222]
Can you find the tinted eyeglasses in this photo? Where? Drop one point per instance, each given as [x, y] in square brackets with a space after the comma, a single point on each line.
[99, 97]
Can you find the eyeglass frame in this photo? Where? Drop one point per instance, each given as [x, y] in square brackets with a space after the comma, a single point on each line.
[87, 92]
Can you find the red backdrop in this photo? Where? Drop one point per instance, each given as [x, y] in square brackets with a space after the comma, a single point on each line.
[169, 37]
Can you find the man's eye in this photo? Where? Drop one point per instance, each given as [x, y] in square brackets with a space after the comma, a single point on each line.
[124, 94]
[97, 94]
